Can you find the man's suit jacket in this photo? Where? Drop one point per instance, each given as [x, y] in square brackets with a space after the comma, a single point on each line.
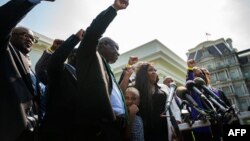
[41, 67]
[94, 80]
[61, 91]
[16, 90]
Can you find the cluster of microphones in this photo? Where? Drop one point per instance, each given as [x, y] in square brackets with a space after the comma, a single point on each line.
[213, 107]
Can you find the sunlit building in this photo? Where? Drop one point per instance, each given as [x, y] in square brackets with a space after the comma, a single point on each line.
[166, 61]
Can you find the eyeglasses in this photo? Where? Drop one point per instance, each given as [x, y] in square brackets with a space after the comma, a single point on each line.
[26, 35]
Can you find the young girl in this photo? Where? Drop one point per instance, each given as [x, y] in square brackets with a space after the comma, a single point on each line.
[135, 131]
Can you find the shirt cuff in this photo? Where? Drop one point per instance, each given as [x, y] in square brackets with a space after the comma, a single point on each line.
[49, 51]
[114, 7]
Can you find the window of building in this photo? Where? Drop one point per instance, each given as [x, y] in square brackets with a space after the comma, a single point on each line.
[213, 78]
[209, 66]
[239, 89]
[230, 60]
[243, 103]
[246, 72]
[205, 53]
[222, 76]
[219, 64]
[234, 74]
[226, 90]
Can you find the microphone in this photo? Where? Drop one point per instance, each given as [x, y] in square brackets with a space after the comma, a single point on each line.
[182, 93]
[212, 96]
[190, 85]
[171, 95]
[201, 83]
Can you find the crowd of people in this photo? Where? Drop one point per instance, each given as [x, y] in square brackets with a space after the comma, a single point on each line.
[74, 95]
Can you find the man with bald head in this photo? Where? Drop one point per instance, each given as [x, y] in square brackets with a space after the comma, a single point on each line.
[101, 110]
[22, 38]
[17, 94]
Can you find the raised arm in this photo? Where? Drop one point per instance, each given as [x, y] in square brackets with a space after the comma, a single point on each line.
[190, 74]
[127, 72]
[98, 27]
[60, 55]
[42, 63]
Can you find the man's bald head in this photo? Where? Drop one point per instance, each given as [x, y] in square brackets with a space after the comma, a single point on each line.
[23, 39]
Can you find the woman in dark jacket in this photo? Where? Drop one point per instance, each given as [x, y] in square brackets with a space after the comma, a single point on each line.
[152, 103]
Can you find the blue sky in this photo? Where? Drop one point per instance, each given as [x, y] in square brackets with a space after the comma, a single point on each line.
[178, 24]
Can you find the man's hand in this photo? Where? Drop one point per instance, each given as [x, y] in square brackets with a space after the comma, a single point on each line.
[121, 4]
[132, 60]
[191, 63]
[56, 44]
[128, 71]
[80, 34]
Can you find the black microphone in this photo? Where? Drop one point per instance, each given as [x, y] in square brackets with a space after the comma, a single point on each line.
[190, 85]
[182, 93]
[170, 95]
[211, 95]
[201, 83]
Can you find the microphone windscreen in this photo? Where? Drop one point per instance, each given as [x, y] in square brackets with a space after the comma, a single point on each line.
[190, 84]
[181, 91]
[199, 81]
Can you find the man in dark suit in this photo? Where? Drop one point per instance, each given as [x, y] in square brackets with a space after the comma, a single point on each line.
[59, 118]
[16, 87]
[101, 110]
[42, 63]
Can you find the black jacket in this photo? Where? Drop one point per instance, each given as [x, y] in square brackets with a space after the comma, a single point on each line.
[94, 81]
[15, 83]
[61, 91]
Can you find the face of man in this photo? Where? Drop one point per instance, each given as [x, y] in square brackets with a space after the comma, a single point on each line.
[167, 81]
[23, 39]
[111, 52]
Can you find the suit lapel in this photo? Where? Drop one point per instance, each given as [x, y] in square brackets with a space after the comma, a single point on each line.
[106, 78]
[118, 86]
[22, 67]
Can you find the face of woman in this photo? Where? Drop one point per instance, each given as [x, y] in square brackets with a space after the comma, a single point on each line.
[198, 73]
[152, 75]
